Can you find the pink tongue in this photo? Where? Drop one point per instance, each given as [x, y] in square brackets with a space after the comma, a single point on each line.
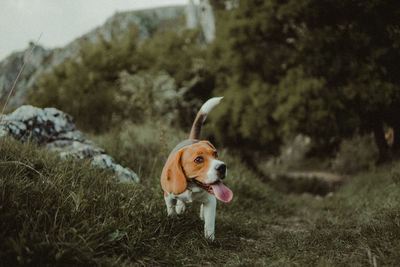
[222, 192]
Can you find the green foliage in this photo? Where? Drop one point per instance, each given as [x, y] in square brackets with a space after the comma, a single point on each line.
[181, 56]
[144, 95]
[303, 105]
[318, 69]
[128, 78]
[354, 55]
[249, 57]
[176, 53]
[242, 117]
[87, 88]
[284, 68]
[356, 154]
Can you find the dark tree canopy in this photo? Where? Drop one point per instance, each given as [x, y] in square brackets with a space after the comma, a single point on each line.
[319, 67]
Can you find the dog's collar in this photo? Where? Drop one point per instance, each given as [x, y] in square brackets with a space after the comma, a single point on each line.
[191, 180]
[188, 179]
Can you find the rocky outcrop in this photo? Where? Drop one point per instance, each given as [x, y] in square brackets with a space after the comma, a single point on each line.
[54, 129]
[10, 67]
[192, 17]
[207, 21]
[201, 16]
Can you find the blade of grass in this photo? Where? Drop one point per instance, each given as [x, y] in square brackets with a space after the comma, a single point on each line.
[17, 78]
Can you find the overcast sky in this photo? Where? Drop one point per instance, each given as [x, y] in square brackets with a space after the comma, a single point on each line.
[59, 21]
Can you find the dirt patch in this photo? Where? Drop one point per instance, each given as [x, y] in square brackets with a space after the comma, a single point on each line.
[313, 182]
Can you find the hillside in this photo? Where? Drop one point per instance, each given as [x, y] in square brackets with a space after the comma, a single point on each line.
[43, 60]
[308, 88]
[68, 213]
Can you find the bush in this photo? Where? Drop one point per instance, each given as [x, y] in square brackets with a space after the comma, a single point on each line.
[145, 95]
[126, 79]
[182, 57]
[356, 154]
[294, 151]
[86, 88]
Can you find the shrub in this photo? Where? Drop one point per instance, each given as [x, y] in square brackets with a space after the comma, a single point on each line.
[145, 95]
[126, 79]
[294, 150]
[355, 154]
[86, 88]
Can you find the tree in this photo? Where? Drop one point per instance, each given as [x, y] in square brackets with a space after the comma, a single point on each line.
[249, 57]
[353, 47]
[332, 66]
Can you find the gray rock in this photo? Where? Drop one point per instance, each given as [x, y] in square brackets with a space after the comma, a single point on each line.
[54, 129]
[125, 175]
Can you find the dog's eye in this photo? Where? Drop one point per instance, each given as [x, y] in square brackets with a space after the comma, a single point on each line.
[199, 160]
[215, 154]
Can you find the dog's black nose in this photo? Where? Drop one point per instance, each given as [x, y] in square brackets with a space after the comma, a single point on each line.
[221, 169]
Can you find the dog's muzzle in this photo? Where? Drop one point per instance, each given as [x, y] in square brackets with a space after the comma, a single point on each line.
[221, 170]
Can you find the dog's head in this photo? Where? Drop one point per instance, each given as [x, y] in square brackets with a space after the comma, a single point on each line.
[198, 163]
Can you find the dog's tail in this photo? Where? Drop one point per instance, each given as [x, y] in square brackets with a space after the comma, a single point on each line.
[202, 115]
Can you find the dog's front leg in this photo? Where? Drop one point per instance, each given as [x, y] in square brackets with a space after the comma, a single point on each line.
[170, 202]
[202, 212]
[180, 206]
[209, 208]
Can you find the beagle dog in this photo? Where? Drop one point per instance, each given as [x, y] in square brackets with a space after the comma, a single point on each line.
[194, 173]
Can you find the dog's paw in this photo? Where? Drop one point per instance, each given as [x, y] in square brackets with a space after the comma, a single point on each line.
[209, 235]
[180, 207]
[171, 212]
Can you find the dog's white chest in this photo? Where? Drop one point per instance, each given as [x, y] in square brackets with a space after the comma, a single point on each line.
[192, 194]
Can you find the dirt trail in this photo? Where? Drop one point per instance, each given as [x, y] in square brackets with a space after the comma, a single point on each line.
[313, 182]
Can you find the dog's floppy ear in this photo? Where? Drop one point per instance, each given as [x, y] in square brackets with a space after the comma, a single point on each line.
[172, 177]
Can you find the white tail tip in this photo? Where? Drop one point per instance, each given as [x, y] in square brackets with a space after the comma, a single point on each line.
[210, 104]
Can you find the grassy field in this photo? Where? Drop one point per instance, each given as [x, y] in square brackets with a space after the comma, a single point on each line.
[63, 212]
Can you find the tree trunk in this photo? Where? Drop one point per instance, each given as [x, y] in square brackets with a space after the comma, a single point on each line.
[384, 150]
[396, 140]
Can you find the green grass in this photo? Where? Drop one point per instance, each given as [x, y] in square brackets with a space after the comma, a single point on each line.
[64, 212]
